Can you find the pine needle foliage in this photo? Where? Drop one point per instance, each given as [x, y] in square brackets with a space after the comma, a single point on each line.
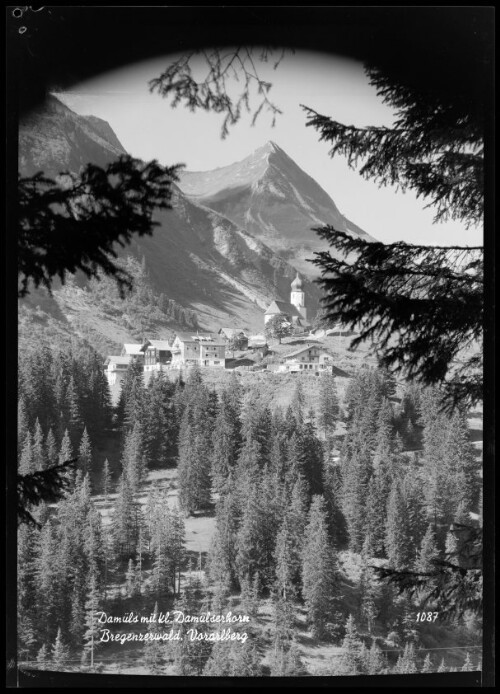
[96, 209]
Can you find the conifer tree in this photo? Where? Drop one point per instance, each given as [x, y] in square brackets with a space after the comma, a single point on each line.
[94, 545]
[318, 569]
[225, 443]
[376, 512]
[428, 551]
[106, 479]
[66, 450]
[406, 663]
[130, 578]
[397, 541]
[85, 453]
[328, 405]
[27, 541]
[78, 598]
[288, 560]
[42, 657]
[160, 550]
[286, 661]
[368, 592]
[467, 666]
[195, 438]
[442, 666]
[310, 458]
[26, 461]
[356, 472]
[251, 557]
[190, 657]
[131, 402]
[297, 403]
[375, 662]
[75, 424]
[22, 423]
[223, 551]
[51, 448]
[46, 583]
[38, 448]
[123, 519]
[60, 652]
[220, 662]
[246, 660]
[427, 666]
[451, 547]
[133, 460]
[411, 487]
[91, 634]
[350, 661]
[384, 429]
[461, 468]
[153, 649]
[332, 485]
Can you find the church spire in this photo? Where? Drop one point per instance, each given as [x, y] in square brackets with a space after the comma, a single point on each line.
[297, 284]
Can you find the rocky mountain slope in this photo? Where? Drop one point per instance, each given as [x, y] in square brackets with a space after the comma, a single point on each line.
[274, 200]
[197, 257]
[54, 139]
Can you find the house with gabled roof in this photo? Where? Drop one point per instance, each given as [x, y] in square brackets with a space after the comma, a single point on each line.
[311, 358]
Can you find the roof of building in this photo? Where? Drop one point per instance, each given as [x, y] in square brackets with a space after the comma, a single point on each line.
[277, 307]
[160, 344]
[193, 336]
[297, 283]
[119, 359]
[132, 347]
[202, 338]
[296, 352]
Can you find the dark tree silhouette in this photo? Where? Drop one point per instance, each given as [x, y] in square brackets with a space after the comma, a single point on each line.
[47, 485]
[211, 92]
[453, 588]
[73, 223]
[421, 307]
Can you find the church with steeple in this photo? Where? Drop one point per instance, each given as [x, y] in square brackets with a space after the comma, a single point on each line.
[295, 310]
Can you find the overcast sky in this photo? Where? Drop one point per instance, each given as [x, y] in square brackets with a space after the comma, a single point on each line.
[149, 128]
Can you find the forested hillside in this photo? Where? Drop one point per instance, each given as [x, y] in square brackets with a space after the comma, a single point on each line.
[200, 501]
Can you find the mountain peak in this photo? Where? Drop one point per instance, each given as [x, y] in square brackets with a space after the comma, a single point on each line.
[271, 147]
[272, 198]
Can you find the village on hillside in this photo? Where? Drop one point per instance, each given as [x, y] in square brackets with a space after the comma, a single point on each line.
[233, 348]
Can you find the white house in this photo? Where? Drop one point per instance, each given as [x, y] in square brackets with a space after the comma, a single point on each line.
[116, 368]
[311, 359]
[204, 349]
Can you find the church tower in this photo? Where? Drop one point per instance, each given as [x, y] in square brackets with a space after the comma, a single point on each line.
[297, 296]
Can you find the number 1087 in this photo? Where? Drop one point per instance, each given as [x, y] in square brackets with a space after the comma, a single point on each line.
[427, 616]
